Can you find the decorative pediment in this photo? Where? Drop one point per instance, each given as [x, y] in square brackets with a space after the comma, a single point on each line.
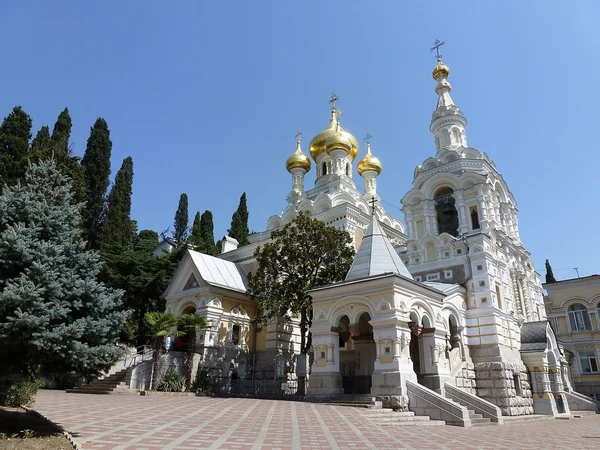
[191, 283]
[239, 311]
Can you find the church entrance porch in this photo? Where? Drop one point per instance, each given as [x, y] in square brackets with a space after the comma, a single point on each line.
[357, 354]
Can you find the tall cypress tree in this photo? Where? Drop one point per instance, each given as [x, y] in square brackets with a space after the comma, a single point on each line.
[15, 133]
[239, 223]
[549, 275]
[61, 134]
[181, 221]
[96, 173]
[207, 233]
[196, 236]
[41, 139]
[119, 232]
[55, 317]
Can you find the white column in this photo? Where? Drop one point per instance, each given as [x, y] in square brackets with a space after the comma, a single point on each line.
[463, 226]
[409, 222]
[426, 217]
[483, 213]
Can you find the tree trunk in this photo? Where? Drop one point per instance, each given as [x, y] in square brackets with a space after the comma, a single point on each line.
[303, 349]
[190, 359]
[155, 360]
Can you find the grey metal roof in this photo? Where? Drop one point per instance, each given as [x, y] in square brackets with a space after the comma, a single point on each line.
[376, 256]
[533, 336]
[443, 287]
[218, 272]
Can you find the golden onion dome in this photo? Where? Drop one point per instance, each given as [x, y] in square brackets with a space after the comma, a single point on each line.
[369, 162]
[298, 160]
[318, 144]
[341, 139]
[440, 69]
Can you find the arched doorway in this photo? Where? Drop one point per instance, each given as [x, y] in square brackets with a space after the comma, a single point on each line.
[447, 216]
[357, 355]
[415, 343]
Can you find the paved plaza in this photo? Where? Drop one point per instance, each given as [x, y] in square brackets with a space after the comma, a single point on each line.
[187, 422]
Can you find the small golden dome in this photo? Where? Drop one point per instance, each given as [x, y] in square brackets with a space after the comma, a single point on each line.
[298, 160]
[369, 162]
[318, 144]
[440, 69]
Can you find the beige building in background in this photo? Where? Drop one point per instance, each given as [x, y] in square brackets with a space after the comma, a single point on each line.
[573, 308]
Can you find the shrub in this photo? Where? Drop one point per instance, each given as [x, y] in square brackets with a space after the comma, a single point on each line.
[202, 384]
[18, 391]
[171, 381]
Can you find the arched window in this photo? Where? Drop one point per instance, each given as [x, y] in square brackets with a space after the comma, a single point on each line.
[324, 172]
[235, 335]
[579, 319]
[438, 144]
[456, 136]
[474, 218]
[347, 169]
[447, 216]
[453, 328]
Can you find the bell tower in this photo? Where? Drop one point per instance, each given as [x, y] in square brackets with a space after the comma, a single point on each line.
[462, 224]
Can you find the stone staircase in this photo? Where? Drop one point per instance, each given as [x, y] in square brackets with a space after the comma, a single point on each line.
[377, 414]
[111, 384]
[115, 381]
[477, 420]
[354, 400]
[389, 417]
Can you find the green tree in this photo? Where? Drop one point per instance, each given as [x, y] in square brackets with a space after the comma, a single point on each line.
[41, 139]
[190, 324]
[146, 241]
[15, 133]
[549, 275]
[207, 233]
[196, 236]
[56, 147]
[239, 223]
[119, 232]
[160, 325]
[141, 275]
[56, 318]
[61, 134]
[181, 221]
[302, 255]
[96, 173]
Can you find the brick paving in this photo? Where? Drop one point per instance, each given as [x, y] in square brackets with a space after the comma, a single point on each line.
[165, 422]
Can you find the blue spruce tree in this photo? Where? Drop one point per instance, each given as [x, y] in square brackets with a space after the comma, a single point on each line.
[56, 318]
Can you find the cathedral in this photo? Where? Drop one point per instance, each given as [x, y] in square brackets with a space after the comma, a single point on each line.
[447, 305]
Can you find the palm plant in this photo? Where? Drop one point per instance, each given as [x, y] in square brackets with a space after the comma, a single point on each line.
[189, 324]
[160, 325]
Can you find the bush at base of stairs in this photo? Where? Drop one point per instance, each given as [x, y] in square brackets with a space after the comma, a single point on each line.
[18, 391]
[171, 381]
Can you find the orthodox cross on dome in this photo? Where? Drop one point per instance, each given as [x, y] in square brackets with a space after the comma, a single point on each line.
[436, 46]
[373, 201]
[334, 98]
[368, 138]
[298, 136]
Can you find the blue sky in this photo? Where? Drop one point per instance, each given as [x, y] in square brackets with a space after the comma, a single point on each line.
[207, 97]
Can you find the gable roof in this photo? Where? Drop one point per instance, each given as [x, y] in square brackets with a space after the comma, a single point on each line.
[376, 256]
[221, 273]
